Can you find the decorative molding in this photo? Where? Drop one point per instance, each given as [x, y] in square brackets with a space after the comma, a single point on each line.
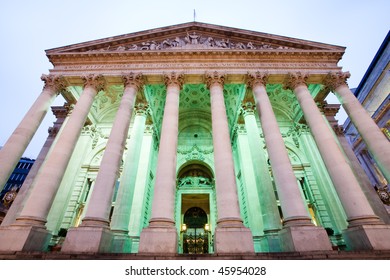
[195, 152]
[215, 78]
[235, 67]
[335, 79]
[69, 108]
[384, 195]
[94, 80]
[57, 83]
[53, 131]
[338, 129]
[248, 107]
[296, 79]
[192, 40]
[141, 108]
[174, 78]
[257, 78]
[133, 79]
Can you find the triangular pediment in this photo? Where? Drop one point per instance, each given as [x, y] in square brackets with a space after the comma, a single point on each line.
[193, 36]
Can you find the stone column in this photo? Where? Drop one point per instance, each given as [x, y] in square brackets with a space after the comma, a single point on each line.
[124, 201]
[161, 235]
[30, 225]
[231, 236]
[93, 235]
[269, 208]
[374, 138]
[298, 233]
[365, 231]
[17, 143]
[61, 113]
[368, 190]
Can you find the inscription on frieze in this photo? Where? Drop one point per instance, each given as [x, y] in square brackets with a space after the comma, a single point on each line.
[194, 65]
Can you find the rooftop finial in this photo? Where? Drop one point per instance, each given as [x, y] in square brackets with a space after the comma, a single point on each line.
[194, 15]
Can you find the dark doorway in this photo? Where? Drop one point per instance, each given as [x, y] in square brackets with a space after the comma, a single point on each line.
[195, 238]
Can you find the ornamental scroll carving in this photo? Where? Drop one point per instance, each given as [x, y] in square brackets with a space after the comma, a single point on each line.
[55, 82]
[192, 40]
[335, 79]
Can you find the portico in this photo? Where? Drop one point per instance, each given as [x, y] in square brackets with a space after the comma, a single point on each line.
[194, 146]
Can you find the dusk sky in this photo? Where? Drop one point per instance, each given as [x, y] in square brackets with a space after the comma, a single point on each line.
[28, 28]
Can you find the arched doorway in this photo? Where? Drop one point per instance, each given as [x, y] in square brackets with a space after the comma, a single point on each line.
[195, 236]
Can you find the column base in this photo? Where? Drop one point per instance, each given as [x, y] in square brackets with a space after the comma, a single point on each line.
[233, 240]
[87, 240]
[304, 238]
[121, 242]
[270, 241]
[24, 238]
[158, 240]
[367, 237]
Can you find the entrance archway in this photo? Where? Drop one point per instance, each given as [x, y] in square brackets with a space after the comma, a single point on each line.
[195, 236]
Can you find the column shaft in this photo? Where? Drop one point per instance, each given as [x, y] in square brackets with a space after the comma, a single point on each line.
[269, 209]
[123, 204]
[161, 235]
[230, 233]
[49, 178]
[17, 143]
[354, 202]
[298, 232]
[291, 200]
[374, 138]
[165, 184]
[227, 199]
[99, 206]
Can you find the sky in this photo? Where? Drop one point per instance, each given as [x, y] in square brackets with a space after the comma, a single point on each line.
[28, 28]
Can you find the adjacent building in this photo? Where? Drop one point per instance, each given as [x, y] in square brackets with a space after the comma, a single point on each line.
[13, 185]
[193, 139]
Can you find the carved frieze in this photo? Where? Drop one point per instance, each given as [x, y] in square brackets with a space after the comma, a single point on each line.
[191, 40]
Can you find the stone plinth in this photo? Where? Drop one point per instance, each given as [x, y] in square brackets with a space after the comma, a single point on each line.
[121, 243]
[233, 240]
[24, 238]
[367, 237]
[158, 240]
[304, 238]
[87, 239]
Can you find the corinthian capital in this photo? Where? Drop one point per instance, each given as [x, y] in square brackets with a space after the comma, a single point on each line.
[95, 81]
[295, 79]
[56, 83]
[215, 77]
[174, 78]
[141, 108]
[256, 78]
[335, 79]
[133, 79]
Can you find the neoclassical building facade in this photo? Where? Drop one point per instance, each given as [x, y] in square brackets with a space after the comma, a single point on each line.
[191, 139]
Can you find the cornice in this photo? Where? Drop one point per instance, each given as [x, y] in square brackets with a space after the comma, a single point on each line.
[207, 29]
[328, 54]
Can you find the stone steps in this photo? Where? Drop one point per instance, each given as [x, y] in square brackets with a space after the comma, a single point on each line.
[313, 255]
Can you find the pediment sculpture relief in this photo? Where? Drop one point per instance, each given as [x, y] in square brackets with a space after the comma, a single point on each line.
[192, 40]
